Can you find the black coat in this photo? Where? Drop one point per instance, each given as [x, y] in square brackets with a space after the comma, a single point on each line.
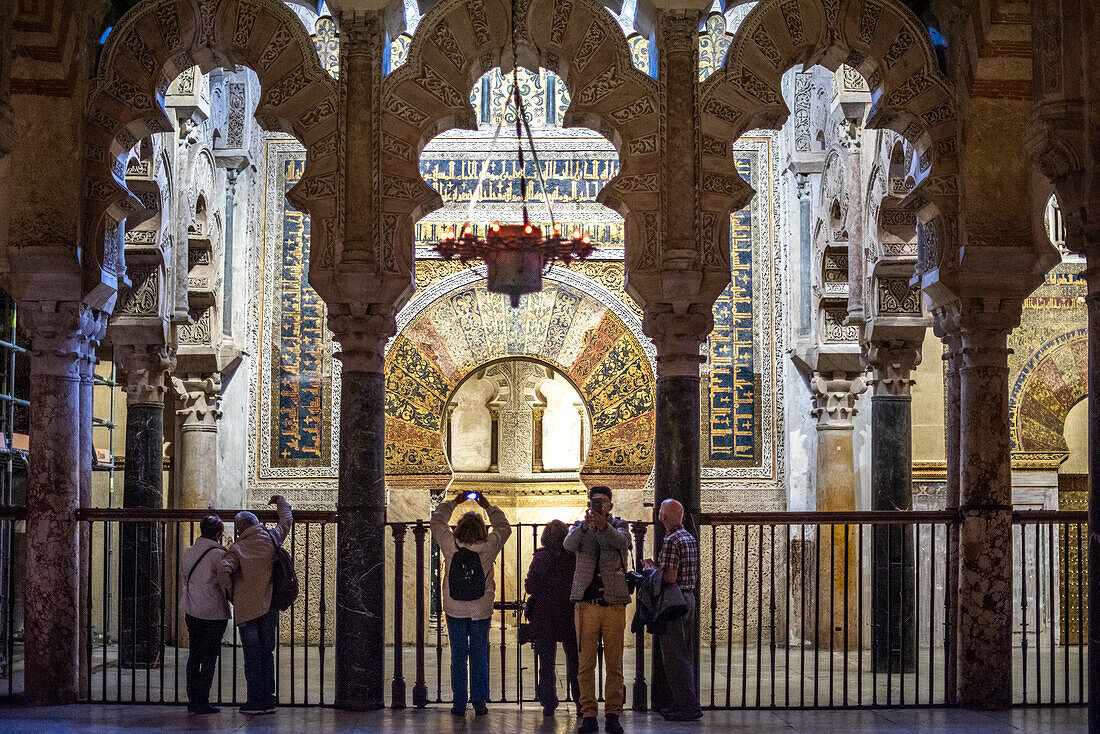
[549, 581]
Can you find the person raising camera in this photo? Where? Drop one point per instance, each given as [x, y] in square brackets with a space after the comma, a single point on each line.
[600, 593]
[468, 590]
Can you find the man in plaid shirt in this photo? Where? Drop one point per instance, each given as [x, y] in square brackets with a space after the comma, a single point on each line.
[678, 563]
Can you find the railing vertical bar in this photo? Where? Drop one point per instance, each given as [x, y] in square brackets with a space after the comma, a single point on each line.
[713, 605]
[916, 617]
[832, 607]
[178, 616]
[293, 550]
[503, 646]
[88, 629]
[759, 602]
[639, 699]
[438, 588]
[1051, 620]
[1063, 556]
[519, 596]
[859, 615]
[844, 677]
[817, 606]
[1080, 618]
[163, 527]
[322, 610]
[802, 621]
[1038, 627]
[787, 615]
[305, 630]
[729, 623]
[397, 688]
[745, 622]
[420, 688]
[889, 534]
[1023, 609]
[771, 608]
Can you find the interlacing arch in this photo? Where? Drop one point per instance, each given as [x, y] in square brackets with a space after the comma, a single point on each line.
[149, 47]
[889, 46]
[458, 41]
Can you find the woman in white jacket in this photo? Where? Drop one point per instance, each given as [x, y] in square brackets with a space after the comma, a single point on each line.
[206, 611]
[468, 591]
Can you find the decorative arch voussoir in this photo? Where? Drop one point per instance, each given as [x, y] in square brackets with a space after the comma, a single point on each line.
[889, 46]
[158, 39]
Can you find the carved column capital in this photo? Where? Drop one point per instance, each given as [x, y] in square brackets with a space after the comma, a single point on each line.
[834, 398]
[144, 370]
[199, 399]
[64, 335]
[892, 363]
[678, 337]
[362, 340]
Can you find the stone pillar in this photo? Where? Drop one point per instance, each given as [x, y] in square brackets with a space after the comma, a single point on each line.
[805, 256]
[834, 396]
[985, 536]
[361, 501]
[893, 580]
[144, 371]
[87, 455]
[62, 345]
[952, 356]
[198, 402]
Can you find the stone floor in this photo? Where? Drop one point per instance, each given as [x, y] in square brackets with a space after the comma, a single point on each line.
[95, 719]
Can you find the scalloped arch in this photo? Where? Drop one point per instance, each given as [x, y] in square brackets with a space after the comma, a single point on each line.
[1050, 383]
[886, 43]
[156, 40]
[458, 41]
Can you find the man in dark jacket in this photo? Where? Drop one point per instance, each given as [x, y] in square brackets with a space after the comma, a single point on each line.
[550, 612]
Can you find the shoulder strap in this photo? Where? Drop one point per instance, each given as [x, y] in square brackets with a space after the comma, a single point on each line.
[196, 564]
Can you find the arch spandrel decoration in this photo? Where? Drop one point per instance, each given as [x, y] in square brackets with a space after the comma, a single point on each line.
[888, 45]
[467, 327]
[1049, 384]
[158, 39]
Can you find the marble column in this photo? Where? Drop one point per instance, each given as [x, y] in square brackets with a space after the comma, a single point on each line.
[361, 501]
[947, 330]
[61, 348]
[837, 560]
[144, 370]
[985, 536]
[805, 255]
[87, 456]
[893, 580]
[198, 403]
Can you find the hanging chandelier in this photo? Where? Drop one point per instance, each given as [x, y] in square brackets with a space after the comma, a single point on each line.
[516, 256]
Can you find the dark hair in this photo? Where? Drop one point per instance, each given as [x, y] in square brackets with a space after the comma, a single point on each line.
[471, 529]
[599, 489]
[211, 527]
[553, 535]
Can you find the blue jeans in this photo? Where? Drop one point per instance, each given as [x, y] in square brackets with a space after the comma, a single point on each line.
[469, 642]
[258, 640]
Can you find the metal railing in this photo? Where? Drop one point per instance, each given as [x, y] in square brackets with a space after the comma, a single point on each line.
[795, 610]
[823, 609]
[1050, 606]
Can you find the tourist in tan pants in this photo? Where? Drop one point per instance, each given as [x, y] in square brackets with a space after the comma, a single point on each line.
[600, 544]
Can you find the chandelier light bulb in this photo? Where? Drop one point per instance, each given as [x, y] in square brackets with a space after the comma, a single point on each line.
[469, 229]
[496, 226]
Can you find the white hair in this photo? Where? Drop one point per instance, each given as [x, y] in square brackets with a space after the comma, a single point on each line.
[244, 519]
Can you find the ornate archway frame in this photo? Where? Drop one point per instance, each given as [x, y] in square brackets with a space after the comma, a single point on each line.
[154, 42]
[456, 43]
[888, 45]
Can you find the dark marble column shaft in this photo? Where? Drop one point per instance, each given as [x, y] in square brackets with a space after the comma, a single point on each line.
[985, 537]
[140, 549]
[360, 552]
[893, 590]
[677, 472]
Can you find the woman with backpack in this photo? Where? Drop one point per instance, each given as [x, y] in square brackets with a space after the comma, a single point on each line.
[468, 591]
[550, 611]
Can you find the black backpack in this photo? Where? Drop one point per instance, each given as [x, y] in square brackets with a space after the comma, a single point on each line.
[466, 579]
[284, 581]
